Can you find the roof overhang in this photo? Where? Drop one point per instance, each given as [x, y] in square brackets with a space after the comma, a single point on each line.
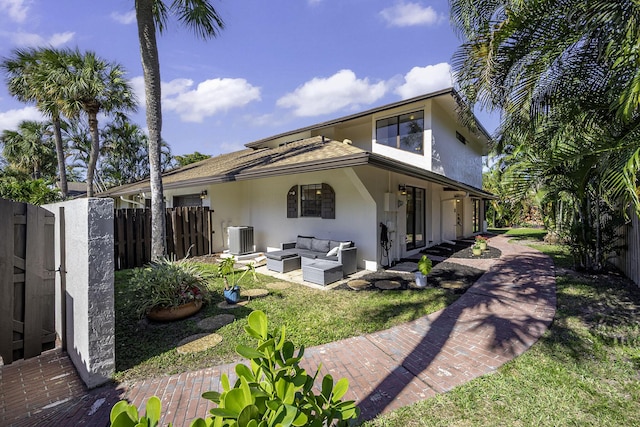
[363, 158]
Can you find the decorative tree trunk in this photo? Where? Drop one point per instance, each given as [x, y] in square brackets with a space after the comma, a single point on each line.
[62, 171]
[151, 72]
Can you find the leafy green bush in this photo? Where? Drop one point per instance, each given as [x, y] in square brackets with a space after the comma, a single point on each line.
[34, 191]
[165, 283]
[273, 391]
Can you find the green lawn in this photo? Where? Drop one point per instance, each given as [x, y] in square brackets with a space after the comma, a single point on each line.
[584, 371]
[311, 317]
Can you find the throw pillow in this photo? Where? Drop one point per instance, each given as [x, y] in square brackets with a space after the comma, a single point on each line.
[333, 252]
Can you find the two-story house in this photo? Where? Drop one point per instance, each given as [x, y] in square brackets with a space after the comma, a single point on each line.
[409, 172]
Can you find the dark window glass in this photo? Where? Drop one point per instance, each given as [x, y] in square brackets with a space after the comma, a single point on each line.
[387, 132]
[405, 132]
[415, 217]
[311, 200]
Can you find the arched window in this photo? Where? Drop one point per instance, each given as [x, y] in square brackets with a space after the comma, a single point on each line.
[316, 201]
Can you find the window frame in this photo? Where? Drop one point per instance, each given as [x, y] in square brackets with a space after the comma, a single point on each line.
[395, 138]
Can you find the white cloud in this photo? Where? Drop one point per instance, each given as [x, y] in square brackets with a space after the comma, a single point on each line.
[327, 95]
[411, 14]
[208, 98]
[9, 120]
[124, 18]
[422, 80]
[15, 9]
[32, 39]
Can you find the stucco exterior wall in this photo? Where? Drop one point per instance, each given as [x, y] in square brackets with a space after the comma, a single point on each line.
[450, 157]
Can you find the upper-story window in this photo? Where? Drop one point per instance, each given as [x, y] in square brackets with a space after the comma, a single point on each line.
[405, 132]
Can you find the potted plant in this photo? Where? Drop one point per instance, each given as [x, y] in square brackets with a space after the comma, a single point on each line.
[482, 241]
[169, 290]
[476, 249]
[424, 268]
[232, 277]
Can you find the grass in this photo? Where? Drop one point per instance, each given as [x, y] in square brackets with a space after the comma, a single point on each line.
[311, 317]
[584, 371]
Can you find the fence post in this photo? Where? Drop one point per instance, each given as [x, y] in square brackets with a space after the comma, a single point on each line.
[89, 295]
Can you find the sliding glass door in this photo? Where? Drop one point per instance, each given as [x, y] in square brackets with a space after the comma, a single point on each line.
[415, 217]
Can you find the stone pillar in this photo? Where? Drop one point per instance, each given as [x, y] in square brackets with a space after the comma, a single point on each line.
[85, 318]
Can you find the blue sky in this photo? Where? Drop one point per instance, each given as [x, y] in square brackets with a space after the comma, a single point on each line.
[278, 65]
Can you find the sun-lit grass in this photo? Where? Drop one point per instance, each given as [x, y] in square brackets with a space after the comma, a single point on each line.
[311, 317]
[584, 371]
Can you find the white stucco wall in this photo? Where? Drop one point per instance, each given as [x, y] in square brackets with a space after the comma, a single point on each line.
[262, 204]
[450, 157]
[84, 287]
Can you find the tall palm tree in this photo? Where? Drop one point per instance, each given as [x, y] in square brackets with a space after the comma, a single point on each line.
[28, 79]
[30, 148]
[152, 15]
[549, 61]
[91, 86]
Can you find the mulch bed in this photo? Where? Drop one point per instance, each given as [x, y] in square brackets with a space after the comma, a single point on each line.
[443, 274]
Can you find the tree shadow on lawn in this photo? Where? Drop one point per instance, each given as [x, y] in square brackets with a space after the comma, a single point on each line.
[498, 318]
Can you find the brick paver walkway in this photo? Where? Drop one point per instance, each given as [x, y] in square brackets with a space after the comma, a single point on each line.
[497, 319]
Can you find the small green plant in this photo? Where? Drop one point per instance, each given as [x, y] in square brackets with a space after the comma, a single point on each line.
[165, 283]
[481, 239]
[232, 276]
[274, 391]
[425, 265]
[125, 415]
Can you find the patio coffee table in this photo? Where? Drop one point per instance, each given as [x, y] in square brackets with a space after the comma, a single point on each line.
[322, 272]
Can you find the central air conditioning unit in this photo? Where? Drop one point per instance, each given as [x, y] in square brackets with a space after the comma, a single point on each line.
[240, 240]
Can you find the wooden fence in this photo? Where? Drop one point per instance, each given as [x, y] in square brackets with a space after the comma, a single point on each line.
[189, 231]
[629, 259]
[27, 281]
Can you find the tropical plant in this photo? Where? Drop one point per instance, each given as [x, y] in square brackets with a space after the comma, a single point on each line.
[187, 159]
[232, 276]
[152, 15]
[273, 391]
[165, 284]
[125, 415]
[30, 78]
[30, 148]
[535, 61]
[425, 265]
[34, 191]
[93, 86]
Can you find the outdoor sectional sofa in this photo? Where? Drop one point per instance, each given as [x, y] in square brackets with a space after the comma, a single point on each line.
[323, 261]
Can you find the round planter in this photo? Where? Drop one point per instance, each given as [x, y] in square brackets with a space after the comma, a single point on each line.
[483, 246]
[477, 252]
[421, 280]
[165, 314]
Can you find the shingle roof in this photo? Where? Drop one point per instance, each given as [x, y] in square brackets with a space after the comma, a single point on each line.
[315, 153]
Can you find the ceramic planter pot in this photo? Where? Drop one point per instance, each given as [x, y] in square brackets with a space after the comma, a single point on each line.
[421, 280]
[483, 246]
[166, 314]
[476, 251]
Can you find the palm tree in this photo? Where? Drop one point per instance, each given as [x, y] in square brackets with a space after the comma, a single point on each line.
[30, 148]
[565, 75]
[152, 15]
[549, 62]
[125, 157]
[91, 85]
[28, 79]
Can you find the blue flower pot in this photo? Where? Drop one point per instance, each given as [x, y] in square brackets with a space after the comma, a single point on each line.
[232, 296]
